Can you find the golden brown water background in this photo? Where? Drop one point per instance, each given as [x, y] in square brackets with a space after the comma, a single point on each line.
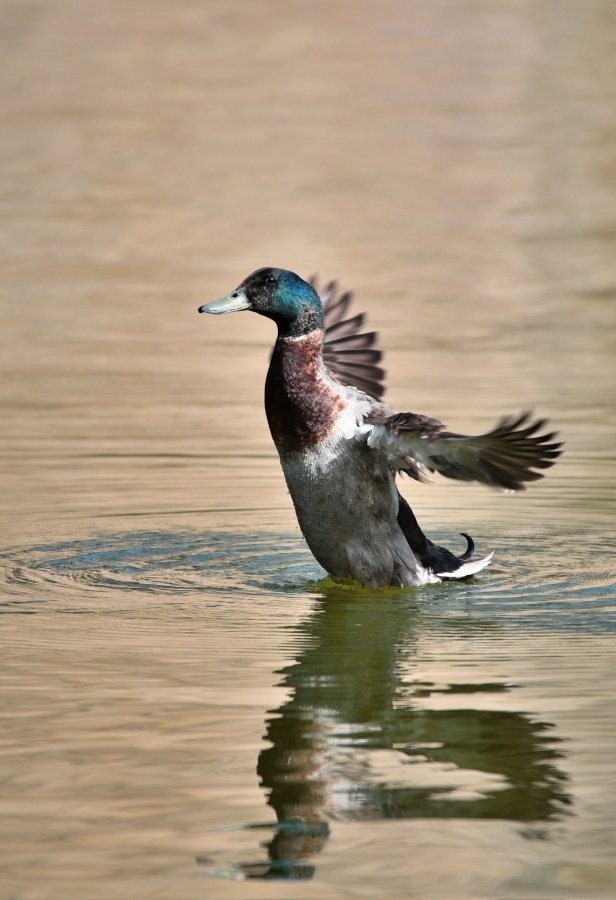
[453, 162]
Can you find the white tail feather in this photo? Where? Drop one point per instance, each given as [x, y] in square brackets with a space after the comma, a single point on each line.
[469, 568]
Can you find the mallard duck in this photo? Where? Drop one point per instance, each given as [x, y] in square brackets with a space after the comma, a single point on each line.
[341, 447]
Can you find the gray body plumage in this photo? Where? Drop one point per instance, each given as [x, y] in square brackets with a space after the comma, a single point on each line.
[346, 502]
[343, 491]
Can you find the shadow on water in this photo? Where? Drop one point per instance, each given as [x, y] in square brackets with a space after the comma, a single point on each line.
[356, 742]
[358, 739]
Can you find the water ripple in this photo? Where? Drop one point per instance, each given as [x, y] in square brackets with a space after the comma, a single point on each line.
[554, 578]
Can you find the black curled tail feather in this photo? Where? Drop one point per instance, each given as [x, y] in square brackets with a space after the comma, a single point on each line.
[430, 555]
[468, 553]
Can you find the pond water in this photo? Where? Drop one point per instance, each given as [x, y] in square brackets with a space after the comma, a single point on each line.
[190, 708]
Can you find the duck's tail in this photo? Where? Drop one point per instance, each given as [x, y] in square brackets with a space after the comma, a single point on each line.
[438, 559]
[468, 568]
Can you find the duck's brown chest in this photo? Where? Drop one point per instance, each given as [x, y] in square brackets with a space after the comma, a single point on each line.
[302, 407]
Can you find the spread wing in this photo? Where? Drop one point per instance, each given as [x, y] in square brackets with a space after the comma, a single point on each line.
[504, 457]
[348, 354]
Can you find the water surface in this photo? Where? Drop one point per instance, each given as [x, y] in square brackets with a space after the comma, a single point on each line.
[189, 707]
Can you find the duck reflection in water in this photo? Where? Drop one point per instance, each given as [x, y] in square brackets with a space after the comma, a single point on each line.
[357, 742]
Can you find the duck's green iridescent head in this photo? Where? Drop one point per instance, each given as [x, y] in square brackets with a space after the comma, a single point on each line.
[278, 294]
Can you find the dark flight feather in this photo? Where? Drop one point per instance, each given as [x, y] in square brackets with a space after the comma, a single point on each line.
[347, 352]
[504, 457]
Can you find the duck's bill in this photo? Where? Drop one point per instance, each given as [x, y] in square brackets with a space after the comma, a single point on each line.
[231, 303]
